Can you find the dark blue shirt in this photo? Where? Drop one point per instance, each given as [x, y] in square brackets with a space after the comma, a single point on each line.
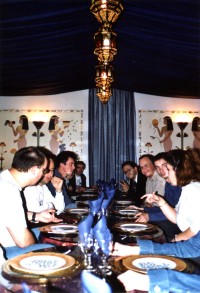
[171, 195]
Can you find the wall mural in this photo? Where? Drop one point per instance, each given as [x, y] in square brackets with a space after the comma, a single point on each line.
[159, 130]
[61, 130]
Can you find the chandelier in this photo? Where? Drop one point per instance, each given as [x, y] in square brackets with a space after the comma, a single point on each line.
[106, 12]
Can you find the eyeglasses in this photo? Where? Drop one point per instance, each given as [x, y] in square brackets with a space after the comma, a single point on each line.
[127, 171]
[145, 166]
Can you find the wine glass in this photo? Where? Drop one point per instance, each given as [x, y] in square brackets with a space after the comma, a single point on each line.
[86, 243]
[104, 248]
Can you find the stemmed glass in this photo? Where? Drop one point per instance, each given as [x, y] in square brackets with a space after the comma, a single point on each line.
[86, 243]
[105, 244]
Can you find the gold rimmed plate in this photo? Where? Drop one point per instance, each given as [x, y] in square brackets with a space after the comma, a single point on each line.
[77, 211]
[40, 263]
[143, 263]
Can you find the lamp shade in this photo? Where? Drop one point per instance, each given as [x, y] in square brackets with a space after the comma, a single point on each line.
[104, 75]
[104, 94]
[107, 10]
[105, 44]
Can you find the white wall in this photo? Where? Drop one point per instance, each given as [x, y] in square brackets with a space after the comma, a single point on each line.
[74, 100]
[150, 102]
[79, 101]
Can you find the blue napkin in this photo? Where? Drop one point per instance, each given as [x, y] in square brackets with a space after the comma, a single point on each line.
[95, 205]
[85, 226]
[110, 194]
[104, 240]
[92, 283]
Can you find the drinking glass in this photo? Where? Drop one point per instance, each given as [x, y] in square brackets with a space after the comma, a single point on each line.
[86, 243]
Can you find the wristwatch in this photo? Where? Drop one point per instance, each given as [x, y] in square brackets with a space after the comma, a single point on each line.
[33, 218]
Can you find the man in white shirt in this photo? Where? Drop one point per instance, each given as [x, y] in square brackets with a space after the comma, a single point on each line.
[154, 181]
[38, 197]
[28, 166]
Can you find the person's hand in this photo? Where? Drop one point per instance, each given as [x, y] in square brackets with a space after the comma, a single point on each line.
[57, 183]
[125, 250]
[153, 198]
[124, 185]
[134, 281]
[142, 217]
[47, 216]
[80, 189]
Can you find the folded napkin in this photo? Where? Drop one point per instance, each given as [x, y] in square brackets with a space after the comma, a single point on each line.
[85, 226]
[95, 205]
[92, 283]
[104, 239]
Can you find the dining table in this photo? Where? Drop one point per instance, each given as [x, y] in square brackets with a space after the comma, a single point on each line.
[65, 237]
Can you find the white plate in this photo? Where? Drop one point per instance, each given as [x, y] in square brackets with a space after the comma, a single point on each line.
[77, 211]
[42, 263]
[128, 212]
[150, 263]
[64, 229]
[124, 202]
[133, 227]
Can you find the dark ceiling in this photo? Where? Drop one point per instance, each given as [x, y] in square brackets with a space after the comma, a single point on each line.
[46, 47]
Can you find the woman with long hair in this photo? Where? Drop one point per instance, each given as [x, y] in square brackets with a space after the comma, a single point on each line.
[196, 131]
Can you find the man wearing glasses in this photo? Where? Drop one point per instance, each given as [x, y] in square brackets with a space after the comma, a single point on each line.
[135, 187]
[154, 183]
[28, 166]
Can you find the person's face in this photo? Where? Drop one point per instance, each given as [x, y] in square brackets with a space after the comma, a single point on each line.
[146, 166]
[48, 176]
[80, 169]
[161, 168]
[130, 172]
[68, 168]
[39, 172]
[171, 175]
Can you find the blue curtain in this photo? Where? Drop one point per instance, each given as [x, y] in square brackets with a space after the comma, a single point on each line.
[111, 135]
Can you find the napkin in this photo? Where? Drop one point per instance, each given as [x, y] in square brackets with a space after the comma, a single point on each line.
[85, 226]
[95, 205]
[104, 239]
[92, 283]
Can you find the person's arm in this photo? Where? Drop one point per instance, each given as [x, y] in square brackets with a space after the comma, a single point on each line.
[160, 281]
[185, 235]
[167, 210]
[187, 249]
[21, 236]
[58, 200]
[172, 281]
[46, 216]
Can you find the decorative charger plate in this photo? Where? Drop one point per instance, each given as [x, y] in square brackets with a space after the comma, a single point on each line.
[132, 227]
[41, 263]
[87, 196]
[143, 263]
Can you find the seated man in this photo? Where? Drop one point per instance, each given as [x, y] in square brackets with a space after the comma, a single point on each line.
[77, 183]
[135, 187]
[28, 166]
[38, 197]
[64, 169]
